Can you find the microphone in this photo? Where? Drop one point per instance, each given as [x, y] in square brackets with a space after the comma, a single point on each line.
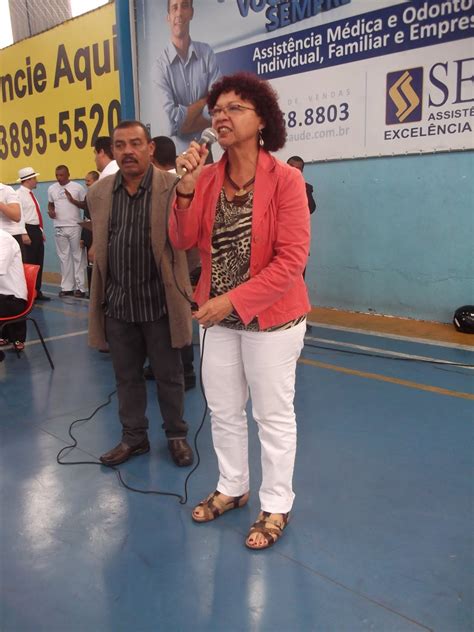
[208, 137]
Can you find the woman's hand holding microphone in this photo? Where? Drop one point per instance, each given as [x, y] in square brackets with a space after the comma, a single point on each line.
[188, 166]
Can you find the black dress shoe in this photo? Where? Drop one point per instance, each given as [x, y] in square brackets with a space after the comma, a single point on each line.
[181, 452]
[66, 293]
[122, 452]
[42, 297]
[79, 294]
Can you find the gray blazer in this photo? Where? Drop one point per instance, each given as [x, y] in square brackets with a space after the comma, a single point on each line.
[99, 201]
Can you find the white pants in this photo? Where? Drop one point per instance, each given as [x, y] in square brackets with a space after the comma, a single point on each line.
[264, 362]
[71, 256]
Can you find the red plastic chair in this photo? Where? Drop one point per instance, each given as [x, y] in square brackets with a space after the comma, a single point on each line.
[31, 272]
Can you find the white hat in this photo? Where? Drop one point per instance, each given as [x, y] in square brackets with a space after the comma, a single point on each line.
[26, 173]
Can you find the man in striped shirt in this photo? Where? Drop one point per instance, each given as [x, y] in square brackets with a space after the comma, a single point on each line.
[139, 293]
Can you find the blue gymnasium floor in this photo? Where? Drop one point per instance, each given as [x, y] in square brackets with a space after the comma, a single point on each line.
[381, 533]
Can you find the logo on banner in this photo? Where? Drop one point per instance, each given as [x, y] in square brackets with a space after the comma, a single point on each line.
[404, 96]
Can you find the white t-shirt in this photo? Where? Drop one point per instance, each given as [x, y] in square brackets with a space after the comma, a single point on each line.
[109, 169]
[12, 273]
[67, 214]
[10, 196]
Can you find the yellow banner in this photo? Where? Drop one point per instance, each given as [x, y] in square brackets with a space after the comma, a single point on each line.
[59, 91]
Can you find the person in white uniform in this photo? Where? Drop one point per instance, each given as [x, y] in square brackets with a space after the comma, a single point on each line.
[13, 292]
[67, 232]
[33, 252]
[11, 217]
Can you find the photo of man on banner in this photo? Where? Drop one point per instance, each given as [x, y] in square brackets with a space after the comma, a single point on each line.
[184, 73]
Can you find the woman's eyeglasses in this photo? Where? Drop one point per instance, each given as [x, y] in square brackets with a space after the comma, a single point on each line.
[232, 108]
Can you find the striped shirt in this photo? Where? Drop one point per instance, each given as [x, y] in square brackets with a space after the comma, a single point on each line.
[134, 290]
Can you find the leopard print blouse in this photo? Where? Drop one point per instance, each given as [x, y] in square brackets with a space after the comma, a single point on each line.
[230, 252]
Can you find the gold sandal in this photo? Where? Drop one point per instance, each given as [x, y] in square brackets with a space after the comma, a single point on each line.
[213, 508]
[270, 525]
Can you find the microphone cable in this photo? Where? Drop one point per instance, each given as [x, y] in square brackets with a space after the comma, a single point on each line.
[183, 498]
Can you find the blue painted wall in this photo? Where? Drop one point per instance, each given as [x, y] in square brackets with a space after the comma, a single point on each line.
[394, 235]
[390, 235]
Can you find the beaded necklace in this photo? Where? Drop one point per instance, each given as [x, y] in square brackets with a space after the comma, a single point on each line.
[239, 191]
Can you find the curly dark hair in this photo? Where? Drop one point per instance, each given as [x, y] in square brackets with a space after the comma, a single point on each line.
[261, 94]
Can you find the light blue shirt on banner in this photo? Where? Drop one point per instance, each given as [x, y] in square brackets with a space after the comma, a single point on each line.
[179, 84]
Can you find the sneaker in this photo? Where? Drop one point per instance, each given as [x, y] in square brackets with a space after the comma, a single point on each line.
[4, 342]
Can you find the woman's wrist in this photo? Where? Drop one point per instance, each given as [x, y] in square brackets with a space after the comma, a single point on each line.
[188, 195]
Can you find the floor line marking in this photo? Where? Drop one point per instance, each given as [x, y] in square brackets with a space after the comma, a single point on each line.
[390, 352]
[330, 367]
[381, 334]
[391, 380]
[61, 337]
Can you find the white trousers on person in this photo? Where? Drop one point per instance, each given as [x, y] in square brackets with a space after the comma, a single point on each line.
[71, 256]
[235, 362]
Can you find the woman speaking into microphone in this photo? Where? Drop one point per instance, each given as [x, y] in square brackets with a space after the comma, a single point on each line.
[248, 215]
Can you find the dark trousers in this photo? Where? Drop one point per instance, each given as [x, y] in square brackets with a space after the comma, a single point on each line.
[130, 344]
[34, 253]
[12, 306]
[187, 357]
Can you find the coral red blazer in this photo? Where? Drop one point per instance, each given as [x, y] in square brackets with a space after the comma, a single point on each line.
[276, 292]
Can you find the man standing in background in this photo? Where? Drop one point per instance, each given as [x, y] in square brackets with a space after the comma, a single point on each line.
[184, 74]
[298, 163]
[67, 232]
[104, 158]
[33, 251]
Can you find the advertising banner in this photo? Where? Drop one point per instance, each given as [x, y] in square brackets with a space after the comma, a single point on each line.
[59, 90]
[356, 78]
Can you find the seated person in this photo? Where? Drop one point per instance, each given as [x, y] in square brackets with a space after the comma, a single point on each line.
[13, 291]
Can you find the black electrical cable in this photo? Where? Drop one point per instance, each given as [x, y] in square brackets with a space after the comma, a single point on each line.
[182, 498]
[193, 305]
